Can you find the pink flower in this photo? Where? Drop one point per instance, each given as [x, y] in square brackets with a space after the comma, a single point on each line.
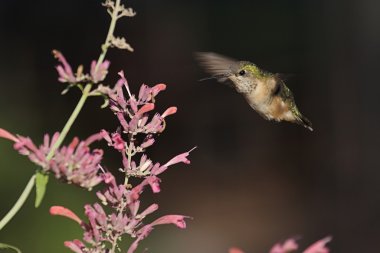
[288, 246]
[5, 134]
[74, 163]
[145, 108]
[180, 158]
[319, 246]
[64, 71]
[77, 163]
[235, 250]
[100, 73]
[169, 111]
[76, 245]
[63, 211]
[178, 220]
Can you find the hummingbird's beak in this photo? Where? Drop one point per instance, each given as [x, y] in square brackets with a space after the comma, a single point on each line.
[219, 77]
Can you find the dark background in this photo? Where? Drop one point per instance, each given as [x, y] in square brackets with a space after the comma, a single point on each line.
[251, 182]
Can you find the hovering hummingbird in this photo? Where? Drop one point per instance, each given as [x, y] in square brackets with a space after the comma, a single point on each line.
[265, 92]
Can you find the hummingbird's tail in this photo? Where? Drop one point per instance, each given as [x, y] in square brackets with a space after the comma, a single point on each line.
[303, 121]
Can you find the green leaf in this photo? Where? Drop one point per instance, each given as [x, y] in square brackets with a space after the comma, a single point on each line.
[7, 246]
[41, 182]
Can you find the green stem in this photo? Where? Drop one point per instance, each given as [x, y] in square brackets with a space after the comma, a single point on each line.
[70, 122]
[19, 203]
[111, 30]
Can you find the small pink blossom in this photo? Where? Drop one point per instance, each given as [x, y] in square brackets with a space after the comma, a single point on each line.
[169, 111]
[65, 72]
[319, 246]
[63, 211]
[76, 245]
[7, 135]
[288, 246]
[157, 89]
[178, 220]
[179, 158]
[100, 73]
[235, 250]
[145, 108]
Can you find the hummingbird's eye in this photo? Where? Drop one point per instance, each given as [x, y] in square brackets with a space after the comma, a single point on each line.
[277, 89]
[242, 72]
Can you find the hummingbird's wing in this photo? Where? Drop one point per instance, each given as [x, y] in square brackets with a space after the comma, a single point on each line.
[220, 67]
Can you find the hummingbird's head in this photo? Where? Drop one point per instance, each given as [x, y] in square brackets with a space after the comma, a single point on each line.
[244, 75]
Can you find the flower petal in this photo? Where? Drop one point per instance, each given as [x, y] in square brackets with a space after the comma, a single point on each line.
[7, 135]
[319, 246]
[63, 211]
[178, 220]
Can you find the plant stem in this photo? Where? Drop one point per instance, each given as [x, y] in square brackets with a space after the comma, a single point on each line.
[114, 244]
[19, 203]
[111, 30]
[70, 121]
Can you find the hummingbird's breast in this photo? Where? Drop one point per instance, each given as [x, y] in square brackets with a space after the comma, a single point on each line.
[269, 106]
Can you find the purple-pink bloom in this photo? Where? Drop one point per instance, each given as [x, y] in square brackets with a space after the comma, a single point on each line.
[64, 71]
[100, 73]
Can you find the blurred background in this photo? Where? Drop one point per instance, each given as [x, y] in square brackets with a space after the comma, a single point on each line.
[251, 182]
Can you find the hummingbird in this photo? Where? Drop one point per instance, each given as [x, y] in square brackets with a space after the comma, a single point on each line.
[265, 92]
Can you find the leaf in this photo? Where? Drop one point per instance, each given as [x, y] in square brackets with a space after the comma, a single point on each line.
[7, 246]
[41, 182]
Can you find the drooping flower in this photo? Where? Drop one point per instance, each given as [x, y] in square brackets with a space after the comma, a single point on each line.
[65, 212]
[65, 72]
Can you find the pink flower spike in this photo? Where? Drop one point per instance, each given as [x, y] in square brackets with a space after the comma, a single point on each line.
[146, 108]
[63, 211]
[178, 220]
[235, 250]
[7, 135]
[169, 111]
[319, 246]
[180, 158]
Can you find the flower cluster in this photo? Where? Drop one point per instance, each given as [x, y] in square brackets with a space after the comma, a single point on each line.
[98, 72]
[136, 133]
[75, 163]
[133, 115]
[109, 228]
[291, 245]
